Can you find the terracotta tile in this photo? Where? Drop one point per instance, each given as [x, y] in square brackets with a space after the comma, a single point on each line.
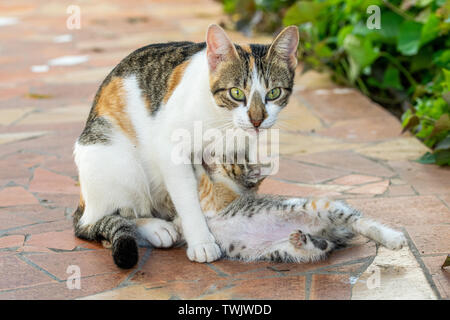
[373, 188]
[364, 130]
[431, 239]
[404, 211]
[155, 269]
[15, 274]
[14, 168]
[299, 172]
[441, 277]
[60, 291]
[11, 241]
[63, 240]
[402, 148]
[59, 200]
[37, 228]
[239, 269]
[360, 250]
[354, 179]
[334, 107]
[271, 186]
[91, 263]
[426, 179]
[35, 213]
[346, 161]
[400, 190]
[10, 220]
[446, 199]
[45, 181]
[280, 288]
[330, 287]
[14, 196]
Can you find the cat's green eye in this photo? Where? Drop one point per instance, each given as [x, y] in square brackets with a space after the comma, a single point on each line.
[273, 94]
[237, 94]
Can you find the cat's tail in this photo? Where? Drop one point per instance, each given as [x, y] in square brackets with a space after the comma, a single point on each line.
[115, 229]
[390, 238]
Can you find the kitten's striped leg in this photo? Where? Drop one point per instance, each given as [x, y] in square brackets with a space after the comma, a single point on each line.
[390, 238]
[340, 214]
[300, 247]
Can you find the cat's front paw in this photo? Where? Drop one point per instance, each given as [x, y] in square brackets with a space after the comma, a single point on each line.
[204, 252]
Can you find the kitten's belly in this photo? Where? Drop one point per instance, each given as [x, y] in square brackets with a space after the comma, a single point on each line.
[256, 233]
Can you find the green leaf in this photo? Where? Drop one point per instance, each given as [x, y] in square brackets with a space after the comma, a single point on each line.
[390, 25]
[408, 41]
[391, 78]
[342, 34]
[361, 53]
[442, 58]
[430, 29]
[427, 158]
[446, 83]
[442, 125]
[444, 144]
[410, 123]
[422, 60]
[443, 157]
[446, 262]
[303, 11]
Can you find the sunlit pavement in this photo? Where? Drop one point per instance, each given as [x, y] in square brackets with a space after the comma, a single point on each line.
[334, 143]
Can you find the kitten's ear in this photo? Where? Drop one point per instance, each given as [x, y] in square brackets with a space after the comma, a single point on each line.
[219, 46]
[285, 46]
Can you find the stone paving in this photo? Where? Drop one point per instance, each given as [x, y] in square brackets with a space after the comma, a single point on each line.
[335, 143]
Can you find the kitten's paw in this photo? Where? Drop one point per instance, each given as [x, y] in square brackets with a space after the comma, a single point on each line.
[298, 239]
[395, 241]
[160, 233]
[204, 252]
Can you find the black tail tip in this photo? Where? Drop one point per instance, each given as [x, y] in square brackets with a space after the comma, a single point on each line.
[125, 252]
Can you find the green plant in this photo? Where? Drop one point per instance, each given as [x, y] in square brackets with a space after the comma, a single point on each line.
[404, 65]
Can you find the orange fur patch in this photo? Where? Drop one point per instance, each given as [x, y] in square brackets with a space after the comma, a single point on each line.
[313, 204]
[214, 196]
[112, 105]
[175, 79]
[81, 204]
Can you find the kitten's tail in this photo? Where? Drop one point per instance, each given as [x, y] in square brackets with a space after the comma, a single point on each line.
[117, 230]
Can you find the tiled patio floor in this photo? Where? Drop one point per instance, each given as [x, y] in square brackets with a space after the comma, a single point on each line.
[335, 143]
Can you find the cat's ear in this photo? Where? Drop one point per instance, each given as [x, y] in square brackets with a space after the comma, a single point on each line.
[219, 46]
[285, 46]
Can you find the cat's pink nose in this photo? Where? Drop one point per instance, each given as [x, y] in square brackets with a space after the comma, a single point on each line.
[256, 123]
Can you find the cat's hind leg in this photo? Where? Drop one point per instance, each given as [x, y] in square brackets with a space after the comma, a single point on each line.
[390, 238]
[307, 245]
[299, 247]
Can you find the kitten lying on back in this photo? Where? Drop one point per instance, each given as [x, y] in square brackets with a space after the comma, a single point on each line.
[251, 226]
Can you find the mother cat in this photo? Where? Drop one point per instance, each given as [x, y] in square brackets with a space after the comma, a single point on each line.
[124, 154]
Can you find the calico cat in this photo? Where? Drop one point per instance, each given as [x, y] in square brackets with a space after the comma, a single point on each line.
[251, 226]
[124, 154]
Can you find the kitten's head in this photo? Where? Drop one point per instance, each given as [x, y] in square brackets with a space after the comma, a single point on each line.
[254, 82]
[245, 176]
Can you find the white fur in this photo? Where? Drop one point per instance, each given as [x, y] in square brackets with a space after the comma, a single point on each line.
[122, 175]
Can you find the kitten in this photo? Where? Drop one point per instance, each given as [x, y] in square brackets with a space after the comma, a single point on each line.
[251, 226]
[124, 154]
